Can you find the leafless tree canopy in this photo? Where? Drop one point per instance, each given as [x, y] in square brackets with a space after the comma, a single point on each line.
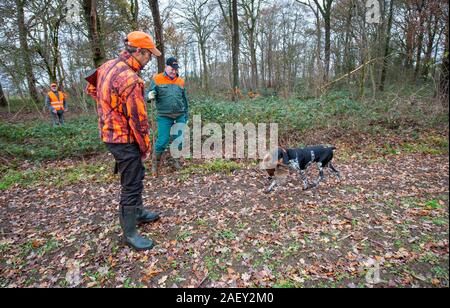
[229, 47]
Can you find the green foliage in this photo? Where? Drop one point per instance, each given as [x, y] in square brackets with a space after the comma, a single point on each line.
[218, 165]
[40, 141]
[55, 177]
[337, 109]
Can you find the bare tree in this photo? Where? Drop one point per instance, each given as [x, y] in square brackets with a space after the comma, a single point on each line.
[251, 10]
[421, 7]
[158, 26]
[325, 12]
[230, 16]
[25, 51]
[235, 49]
[444, 76]
[95, 38]
[387, 46]
[45, 36]
[200, 20]
[433, 23]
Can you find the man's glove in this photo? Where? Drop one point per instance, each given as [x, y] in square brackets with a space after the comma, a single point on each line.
[151, 95]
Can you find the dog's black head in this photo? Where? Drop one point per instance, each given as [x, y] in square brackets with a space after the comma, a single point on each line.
[274, 159]
[283, 156]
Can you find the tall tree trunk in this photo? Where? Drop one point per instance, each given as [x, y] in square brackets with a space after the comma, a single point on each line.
[325, 11]
[262, 67]
[420, 9]
[327, 19]
[25, 51]
[432, 31]
[95, 38]
[410, 33]
[3, 101]
[254, 62]
[235, 43]
[158, 26]
[444, 76]
[348, 24]
[387, 47]
[270, 59]
[205, 66]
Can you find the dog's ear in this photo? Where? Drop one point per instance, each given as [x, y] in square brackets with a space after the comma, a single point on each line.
[282, 154]
[269, 161]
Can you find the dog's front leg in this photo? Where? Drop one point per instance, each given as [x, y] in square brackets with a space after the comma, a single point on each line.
[304, 179]
[321, 177]
[335, 171]
[272, 185]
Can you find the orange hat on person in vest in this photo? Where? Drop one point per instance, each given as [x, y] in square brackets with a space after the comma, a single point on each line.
[141, 39]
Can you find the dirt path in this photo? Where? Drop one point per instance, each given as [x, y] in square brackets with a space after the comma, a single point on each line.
[386, 224]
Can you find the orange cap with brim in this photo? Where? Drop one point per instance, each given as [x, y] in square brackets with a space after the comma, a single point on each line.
[53, 84]
[141, 39]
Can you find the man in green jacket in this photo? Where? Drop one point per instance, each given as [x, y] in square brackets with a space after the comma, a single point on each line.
[172, 107]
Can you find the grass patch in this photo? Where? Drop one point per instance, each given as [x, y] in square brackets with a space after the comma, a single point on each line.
[226, 234]
[218, 165]
[39, 141]
[56, 177]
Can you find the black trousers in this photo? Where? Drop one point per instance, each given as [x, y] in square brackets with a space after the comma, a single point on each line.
[132, 172]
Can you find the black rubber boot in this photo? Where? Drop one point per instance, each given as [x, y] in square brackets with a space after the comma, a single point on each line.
[131, 237]
[144, 216]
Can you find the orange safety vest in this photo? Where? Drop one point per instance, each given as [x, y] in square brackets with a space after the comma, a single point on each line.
[56, 103]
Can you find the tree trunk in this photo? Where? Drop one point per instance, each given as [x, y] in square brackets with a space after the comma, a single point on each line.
[262, 69]
[327, 19]
[205, 66]
[431, 37]
[444, 76]
[3, 101]
[158, 26]
[348, 25]
[270, 60]
[387, 47]
[410, 32]
[25, 52]
[420, 38]
[235, 43]
[254, 63]
[95, 39]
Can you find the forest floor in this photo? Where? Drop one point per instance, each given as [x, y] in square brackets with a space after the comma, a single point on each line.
[386, 224]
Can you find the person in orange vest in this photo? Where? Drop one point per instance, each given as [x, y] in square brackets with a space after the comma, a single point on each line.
[57, 104]
[124, 128]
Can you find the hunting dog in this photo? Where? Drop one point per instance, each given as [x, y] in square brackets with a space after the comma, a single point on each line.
[299, 159]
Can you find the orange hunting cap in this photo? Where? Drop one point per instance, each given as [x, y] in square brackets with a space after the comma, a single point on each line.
[141, 39]
[53, 84]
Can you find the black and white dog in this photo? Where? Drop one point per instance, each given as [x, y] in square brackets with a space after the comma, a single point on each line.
[299, 160]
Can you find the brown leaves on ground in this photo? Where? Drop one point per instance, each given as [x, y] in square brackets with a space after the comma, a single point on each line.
[384, 225]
